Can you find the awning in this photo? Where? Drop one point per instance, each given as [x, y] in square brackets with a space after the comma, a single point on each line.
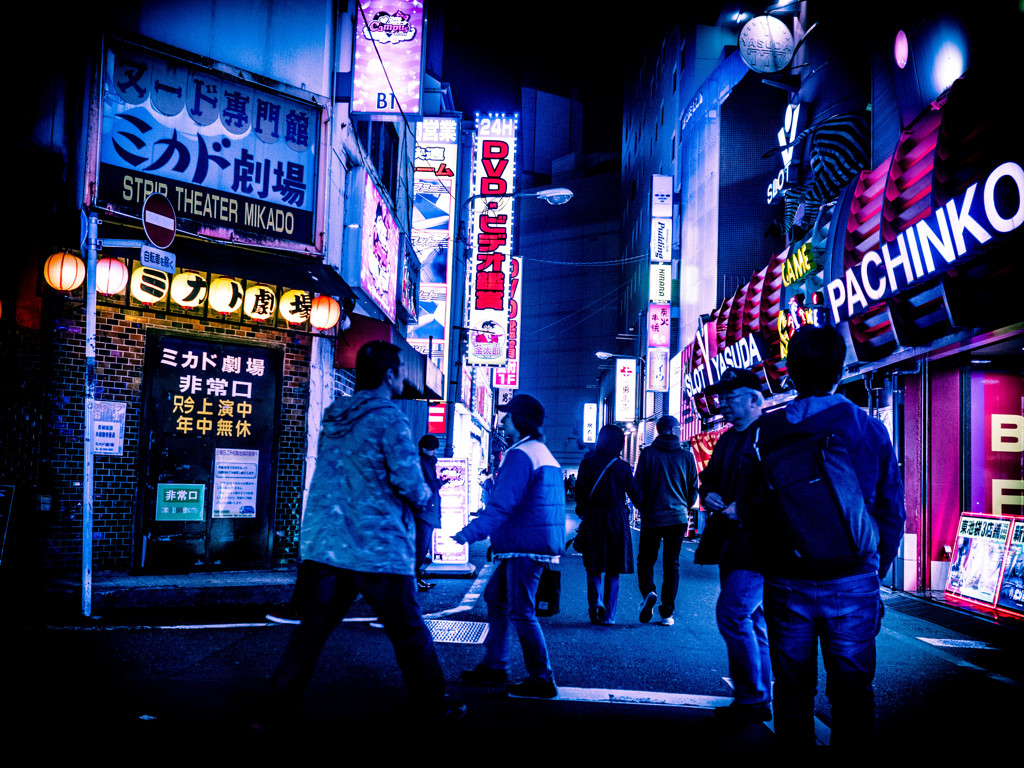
[364, 329]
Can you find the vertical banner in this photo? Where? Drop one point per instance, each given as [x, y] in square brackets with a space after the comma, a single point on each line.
[433, 232]
[509, 375]
[625, 389]
[590, 422]
[494, 173]
[387, 58]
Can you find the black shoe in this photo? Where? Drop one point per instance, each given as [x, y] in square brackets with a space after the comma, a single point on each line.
[481, 675]
[286, 615]
[424, 586]
[647, 609]
[531, 688]
[743, 714]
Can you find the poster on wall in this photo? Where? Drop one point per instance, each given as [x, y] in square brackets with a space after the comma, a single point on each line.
[974, 573]
[454, 473]
[108, 427]
[1011, 587]
[235, 475]
[387, 59]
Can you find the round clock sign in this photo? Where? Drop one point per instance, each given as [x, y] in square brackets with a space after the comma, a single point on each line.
[766, 44]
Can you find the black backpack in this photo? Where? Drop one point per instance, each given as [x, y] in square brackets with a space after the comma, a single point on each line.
[815, 507]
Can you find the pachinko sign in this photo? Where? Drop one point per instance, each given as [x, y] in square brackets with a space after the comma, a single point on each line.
[387, 64]
[491, 216]
[985, 211]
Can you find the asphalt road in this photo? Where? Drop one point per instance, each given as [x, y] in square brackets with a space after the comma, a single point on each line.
[189, 683]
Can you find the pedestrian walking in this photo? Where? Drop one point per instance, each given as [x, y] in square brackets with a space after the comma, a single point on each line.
[740, 607]
[525, 520]
[429, 518]
[828, 517]
[666, 478]
[358, 537]
[604, 537]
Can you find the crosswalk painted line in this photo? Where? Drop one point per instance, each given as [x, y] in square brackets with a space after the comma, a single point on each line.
[941, 642]
[610, 696]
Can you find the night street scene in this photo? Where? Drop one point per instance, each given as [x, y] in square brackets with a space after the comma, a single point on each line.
[426, 379]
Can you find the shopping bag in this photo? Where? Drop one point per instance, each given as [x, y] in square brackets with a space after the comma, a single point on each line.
[549, 591]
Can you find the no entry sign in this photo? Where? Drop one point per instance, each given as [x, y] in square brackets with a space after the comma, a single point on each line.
[158, 220]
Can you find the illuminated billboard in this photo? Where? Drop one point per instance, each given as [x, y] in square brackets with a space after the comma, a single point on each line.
[490, 271]
[625, 389]
[508, 376]
[387, 58]
[372, 245]
[434, 219]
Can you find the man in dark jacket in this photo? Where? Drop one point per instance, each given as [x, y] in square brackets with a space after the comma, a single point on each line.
[525, 520]
[832, 600]
[666, 477]
[740, 609]
[429, 517]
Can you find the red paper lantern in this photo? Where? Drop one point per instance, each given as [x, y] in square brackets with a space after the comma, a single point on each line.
[64, 271]
[325, 314]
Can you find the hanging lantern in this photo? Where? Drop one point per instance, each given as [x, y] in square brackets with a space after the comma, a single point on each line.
[260, 302]
[149, 285]
[111, 276]
[325, 314]
[226, 295]
[296, 306]
[188, 289]
[64, 271]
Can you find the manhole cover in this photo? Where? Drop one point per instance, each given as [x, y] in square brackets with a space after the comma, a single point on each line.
[464, 632]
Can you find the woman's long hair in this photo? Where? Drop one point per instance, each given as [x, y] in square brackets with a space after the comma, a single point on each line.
[610, 441]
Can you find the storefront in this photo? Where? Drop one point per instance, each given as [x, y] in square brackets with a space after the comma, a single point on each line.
[918, 264]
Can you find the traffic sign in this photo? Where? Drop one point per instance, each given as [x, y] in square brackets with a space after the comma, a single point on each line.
[158, 220]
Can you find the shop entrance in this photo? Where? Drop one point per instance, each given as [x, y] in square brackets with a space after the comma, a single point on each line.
[208, 454]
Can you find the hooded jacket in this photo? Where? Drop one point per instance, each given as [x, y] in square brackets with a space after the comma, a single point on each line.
[878, 474]
[368, 481]
[666, 476]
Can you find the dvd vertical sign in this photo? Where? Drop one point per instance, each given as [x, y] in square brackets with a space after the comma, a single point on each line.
[490, 271]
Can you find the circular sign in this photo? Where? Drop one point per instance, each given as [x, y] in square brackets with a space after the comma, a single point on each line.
[158, 220]
[766, 44]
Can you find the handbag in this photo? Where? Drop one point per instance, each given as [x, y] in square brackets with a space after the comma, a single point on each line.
[549, 591]
[712, 540]
[578, 541]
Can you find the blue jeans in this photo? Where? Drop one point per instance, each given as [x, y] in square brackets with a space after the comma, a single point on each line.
[651, 538]
[511, 596]
[328, 594]
[740, 613]
[844, 615]
[611, 593]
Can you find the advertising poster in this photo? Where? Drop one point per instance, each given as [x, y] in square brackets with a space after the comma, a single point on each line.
[108, 427]
[977, 563]
[625, 389]
[454, 512]
[378, 274]
[235, 476]
[997, 443]
[1011, 589]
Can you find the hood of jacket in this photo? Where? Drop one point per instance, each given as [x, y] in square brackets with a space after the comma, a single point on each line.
[340, 421]
[667, 443]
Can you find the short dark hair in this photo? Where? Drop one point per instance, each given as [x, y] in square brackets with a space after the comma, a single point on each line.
[815, 360]
[373, 361]
[526, 426]
[429, 442]
[666, 424]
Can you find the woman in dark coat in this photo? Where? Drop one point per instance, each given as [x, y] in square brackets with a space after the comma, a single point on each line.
[605, 540]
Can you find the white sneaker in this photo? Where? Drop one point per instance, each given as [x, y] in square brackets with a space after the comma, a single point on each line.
[668, 621]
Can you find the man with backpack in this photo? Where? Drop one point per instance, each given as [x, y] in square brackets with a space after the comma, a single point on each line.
[830, 511]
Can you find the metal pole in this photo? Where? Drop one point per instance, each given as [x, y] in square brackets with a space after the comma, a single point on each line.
[90, 393]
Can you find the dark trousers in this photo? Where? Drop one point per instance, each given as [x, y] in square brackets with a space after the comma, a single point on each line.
[329, 593]
[651, 538]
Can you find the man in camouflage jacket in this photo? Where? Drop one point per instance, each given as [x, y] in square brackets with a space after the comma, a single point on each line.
[358, 536]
